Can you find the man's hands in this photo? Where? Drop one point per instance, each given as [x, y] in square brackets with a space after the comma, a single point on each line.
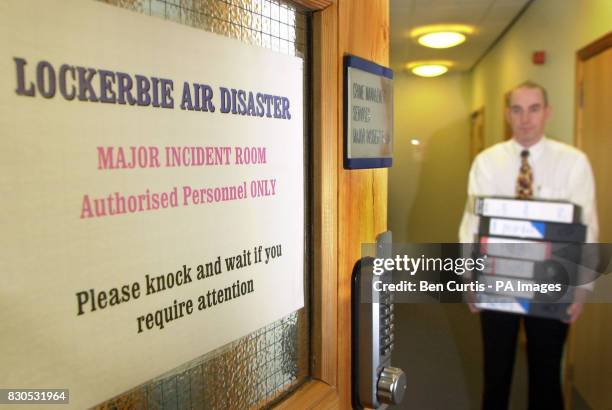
[575, 309]
[470, 299]
[574, 312]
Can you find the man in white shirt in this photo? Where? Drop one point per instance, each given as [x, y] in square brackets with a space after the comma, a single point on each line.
[528, 166]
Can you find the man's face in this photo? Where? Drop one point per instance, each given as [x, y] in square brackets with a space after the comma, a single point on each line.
[527, 115]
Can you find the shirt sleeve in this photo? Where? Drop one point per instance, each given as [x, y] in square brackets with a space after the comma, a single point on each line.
[582, 191]
[478, 183]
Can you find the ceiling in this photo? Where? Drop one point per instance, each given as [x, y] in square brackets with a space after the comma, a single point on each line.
[489, 19]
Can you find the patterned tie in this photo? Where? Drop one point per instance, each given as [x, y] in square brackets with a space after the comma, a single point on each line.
[524, 182]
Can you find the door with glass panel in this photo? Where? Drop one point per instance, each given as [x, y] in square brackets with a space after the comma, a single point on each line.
[302, 360]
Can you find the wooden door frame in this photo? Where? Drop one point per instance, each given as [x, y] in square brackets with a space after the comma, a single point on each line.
[507, 128]
[585, 53]
[350, 206]
[479, 113]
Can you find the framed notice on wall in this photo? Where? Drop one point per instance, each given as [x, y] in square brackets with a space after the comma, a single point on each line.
[152, 180]
[368, 114]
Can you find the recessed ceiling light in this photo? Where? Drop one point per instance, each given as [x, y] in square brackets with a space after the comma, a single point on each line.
[415, 141]
[429, 70]
[437, 28]
[442, 39]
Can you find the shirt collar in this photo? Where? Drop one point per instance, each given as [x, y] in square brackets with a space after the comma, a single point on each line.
[534, 151]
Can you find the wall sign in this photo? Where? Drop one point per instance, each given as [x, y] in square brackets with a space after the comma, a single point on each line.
[151, 179]
[368, 114]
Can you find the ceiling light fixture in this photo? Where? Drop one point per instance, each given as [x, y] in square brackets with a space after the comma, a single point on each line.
[437, 28]
[429, 70]
[441, 39]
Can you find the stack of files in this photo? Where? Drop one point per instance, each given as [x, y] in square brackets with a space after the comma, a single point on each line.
[543, 271]
[522, 306]
[529, 244]
[531, 210]
[529, 249]
[547, 231]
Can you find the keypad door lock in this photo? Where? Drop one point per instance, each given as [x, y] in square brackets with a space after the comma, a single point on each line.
[375, 382]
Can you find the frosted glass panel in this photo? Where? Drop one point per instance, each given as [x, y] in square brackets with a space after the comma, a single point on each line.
[260, 368]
